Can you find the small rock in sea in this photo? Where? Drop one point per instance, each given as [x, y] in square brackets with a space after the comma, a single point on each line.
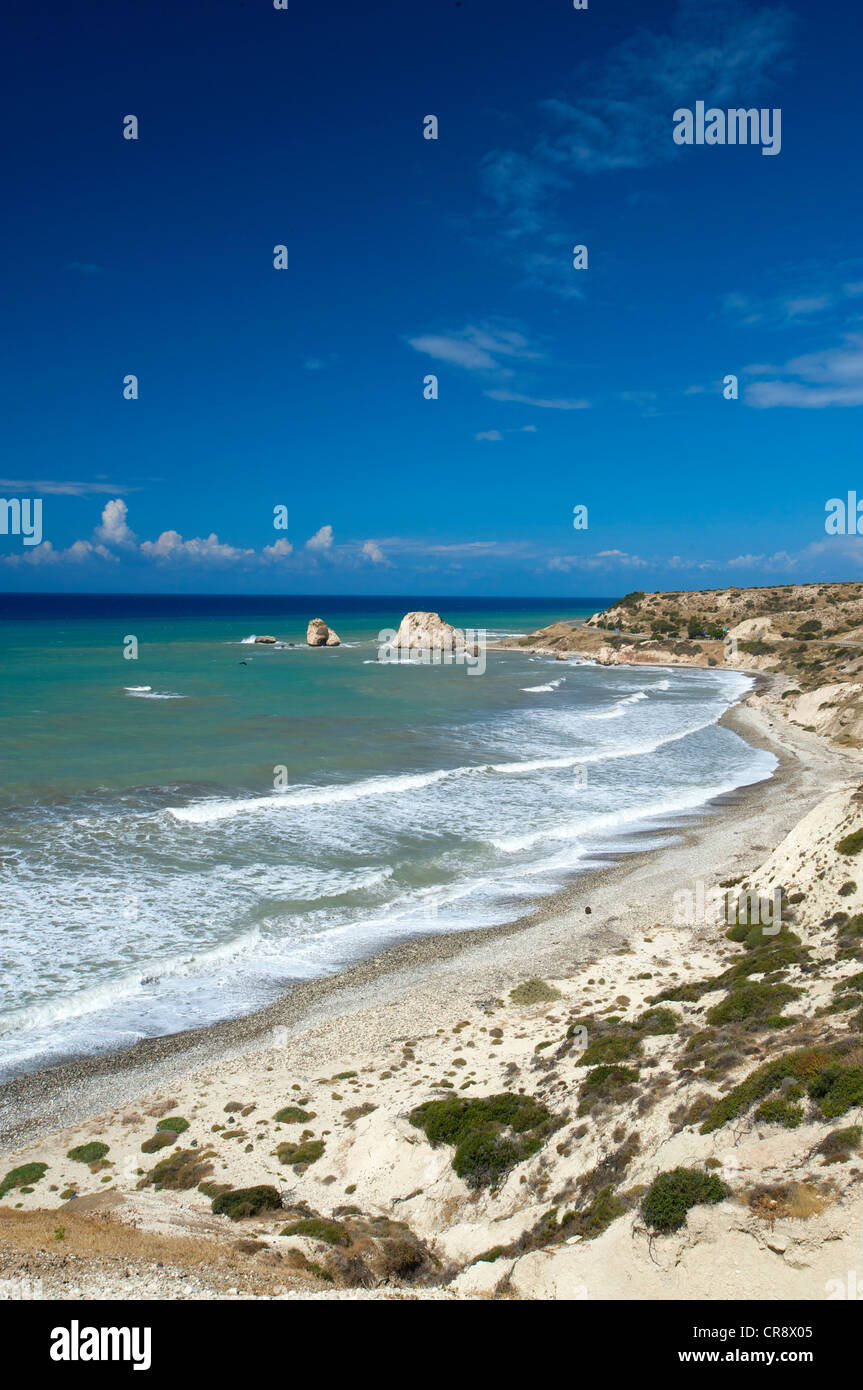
[268, 640]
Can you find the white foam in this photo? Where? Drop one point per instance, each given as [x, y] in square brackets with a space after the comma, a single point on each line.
[207, 811]
[669, 806]
[543, 689]
[146, 692]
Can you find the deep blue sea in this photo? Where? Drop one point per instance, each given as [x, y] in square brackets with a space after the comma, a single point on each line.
[184, 834]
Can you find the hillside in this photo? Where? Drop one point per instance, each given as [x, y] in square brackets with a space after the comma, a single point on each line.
[806, 638]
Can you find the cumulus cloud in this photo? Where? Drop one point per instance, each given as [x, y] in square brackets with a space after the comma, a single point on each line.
[279, 550]
[114, 529]
[46, 554]
[171, 546]
[322, 540]
[373, 552]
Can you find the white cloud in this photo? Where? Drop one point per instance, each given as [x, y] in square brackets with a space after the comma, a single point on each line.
[833, 377]
[476, 349]
[494, 436]
[454, 350]
[171, 546]
[321, 540]
[548, 404]
[279, 550]
[35, 487]
[113, 529]
[45, 554]
[373, 552]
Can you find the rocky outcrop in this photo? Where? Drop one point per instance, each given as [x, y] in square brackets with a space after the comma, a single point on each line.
[428, 632]
[268, 640]
[319, 635]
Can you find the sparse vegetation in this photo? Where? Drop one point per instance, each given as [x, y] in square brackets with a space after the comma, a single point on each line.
[490, 1134]
[330, 1232]
[851, 844]
[246, 1201]
[293, 1115]
[606, 1083]
[175, 1123]
[88, 1153]
[24, 1176]
[673, 1193]
[839, 1144]
[181, 1171]
[534, 992]
[833, 1085]
[301, 1155]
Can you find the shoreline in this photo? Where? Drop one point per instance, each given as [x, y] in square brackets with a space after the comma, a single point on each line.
[397, 988]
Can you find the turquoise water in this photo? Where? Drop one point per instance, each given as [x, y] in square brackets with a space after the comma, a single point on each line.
[183, 835]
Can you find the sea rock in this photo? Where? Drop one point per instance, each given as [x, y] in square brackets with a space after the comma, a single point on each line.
[428, 632]
[265, 639]
[319, 635]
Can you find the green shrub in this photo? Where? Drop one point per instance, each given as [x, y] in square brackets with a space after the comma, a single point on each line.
[836, 1089]
[88, 1153]
[738, 932]
[851, 844]
[161, 1140]
[779, 1111]
[481, 1130]
[750, 1001]
[604, 1083]
[534, 992]
[489, 1256]
[180, 1171]
[614, 1047]
[829, 1081]
[175, 1123]
[605, 1207]
[301, 1155]
[25, 1176]
[483, 1158]
[246, 1201]
[331, 1232]
[293, 1115]
[657, 1021]
[672, 1193]
[839, 1144]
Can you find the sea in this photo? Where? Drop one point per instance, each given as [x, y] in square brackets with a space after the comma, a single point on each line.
[191, 822]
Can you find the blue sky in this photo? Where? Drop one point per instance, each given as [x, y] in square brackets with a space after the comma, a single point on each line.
[304, 387]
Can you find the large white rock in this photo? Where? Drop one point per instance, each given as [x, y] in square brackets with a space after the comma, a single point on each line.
[428, 632]
[319, 635]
